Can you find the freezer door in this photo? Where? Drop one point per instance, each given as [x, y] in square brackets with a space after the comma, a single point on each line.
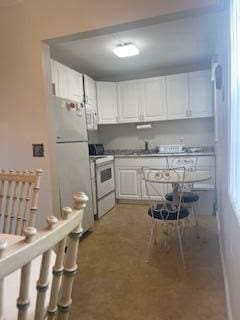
[70, 121]
[74, 176]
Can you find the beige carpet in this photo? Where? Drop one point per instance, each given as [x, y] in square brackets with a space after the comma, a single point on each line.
[114, 282]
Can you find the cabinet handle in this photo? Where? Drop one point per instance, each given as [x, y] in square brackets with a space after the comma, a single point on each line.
[116, 118]
[142, 117]
[190, 113]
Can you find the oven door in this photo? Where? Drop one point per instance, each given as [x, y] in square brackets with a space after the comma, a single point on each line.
[105, 180]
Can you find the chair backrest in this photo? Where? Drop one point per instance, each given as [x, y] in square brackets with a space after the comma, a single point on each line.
[189, 163]
[156, 178]
[19, 192]
[26, 248]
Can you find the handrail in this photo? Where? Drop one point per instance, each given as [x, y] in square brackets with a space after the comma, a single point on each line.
[22, 252]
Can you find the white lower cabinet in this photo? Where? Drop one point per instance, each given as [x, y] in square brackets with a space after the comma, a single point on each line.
[131, 186]
[128, 183]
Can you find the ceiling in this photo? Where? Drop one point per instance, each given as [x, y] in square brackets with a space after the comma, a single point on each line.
[163, 47]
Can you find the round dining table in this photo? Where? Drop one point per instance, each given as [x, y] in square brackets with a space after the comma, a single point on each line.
[188, 177]
[177, 178]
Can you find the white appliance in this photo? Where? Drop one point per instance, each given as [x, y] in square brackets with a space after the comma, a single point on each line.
[91, 116]
[72, 155]
[93, 185]
[105, 183]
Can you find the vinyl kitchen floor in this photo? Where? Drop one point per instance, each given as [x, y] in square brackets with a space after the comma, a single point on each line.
[114, 282]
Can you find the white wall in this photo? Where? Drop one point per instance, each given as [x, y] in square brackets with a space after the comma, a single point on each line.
[229, 223]
[195, 132]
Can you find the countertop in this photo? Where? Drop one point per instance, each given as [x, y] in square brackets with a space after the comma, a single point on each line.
[141, 153]
[149, 155]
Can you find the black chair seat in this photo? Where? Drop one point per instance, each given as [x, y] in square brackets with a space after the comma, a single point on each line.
[163, 214]
[187, 197]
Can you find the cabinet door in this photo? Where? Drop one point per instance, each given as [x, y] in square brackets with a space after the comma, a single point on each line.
[128, 101]
[107, 102]
[54, 76]
[200, 94]
[177, 96]
[90, 91]
[75, 82]
[154, 99]
[128, 183]
[61, 84]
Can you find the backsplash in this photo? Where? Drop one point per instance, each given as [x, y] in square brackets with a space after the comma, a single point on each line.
[194, 132]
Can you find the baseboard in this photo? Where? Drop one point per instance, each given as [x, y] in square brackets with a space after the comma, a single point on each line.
[128, 201]
[225, 279]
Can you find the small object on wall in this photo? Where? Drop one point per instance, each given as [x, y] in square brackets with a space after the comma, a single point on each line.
[144, 126]
[38, 150]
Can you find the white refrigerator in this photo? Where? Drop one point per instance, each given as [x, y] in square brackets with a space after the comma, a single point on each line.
[72, 155]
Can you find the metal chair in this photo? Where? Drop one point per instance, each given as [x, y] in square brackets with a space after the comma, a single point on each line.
[172, 216]
[18, 253]
[189, 197]
[19, 192]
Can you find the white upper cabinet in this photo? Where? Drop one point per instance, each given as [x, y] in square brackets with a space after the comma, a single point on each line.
[177, 96]
[75, 80]
[90, 92]
[107, 102]
[61, 80]
[153, 99]
[67, 82]
[200, 94]
[128, 101]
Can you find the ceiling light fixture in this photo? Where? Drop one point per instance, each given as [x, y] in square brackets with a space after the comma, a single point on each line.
[126, 50]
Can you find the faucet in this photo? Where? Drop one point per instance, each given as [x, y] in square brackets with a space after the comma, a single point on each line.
[146, 143]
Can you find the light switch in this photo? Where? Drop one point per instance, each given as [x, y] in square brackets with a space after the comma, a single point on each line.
[38, 150]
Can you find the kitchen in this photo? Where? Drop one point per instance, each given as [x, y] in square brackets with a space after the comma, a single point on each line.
[164, 103]
[143, 108]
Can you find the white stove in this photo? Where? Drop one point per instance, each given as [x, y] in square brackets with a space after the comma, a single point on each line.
[101, 159]
[103, 183]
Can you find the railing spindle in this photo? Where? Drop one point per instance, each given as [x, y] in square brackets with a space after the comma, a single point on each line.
[15, 197]
[35, 196]
[23, 300]
[57, 273]
[20, 203]
[42, 284]
[7, 205]
[70, 266]
[3, 245]
[2, 183]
